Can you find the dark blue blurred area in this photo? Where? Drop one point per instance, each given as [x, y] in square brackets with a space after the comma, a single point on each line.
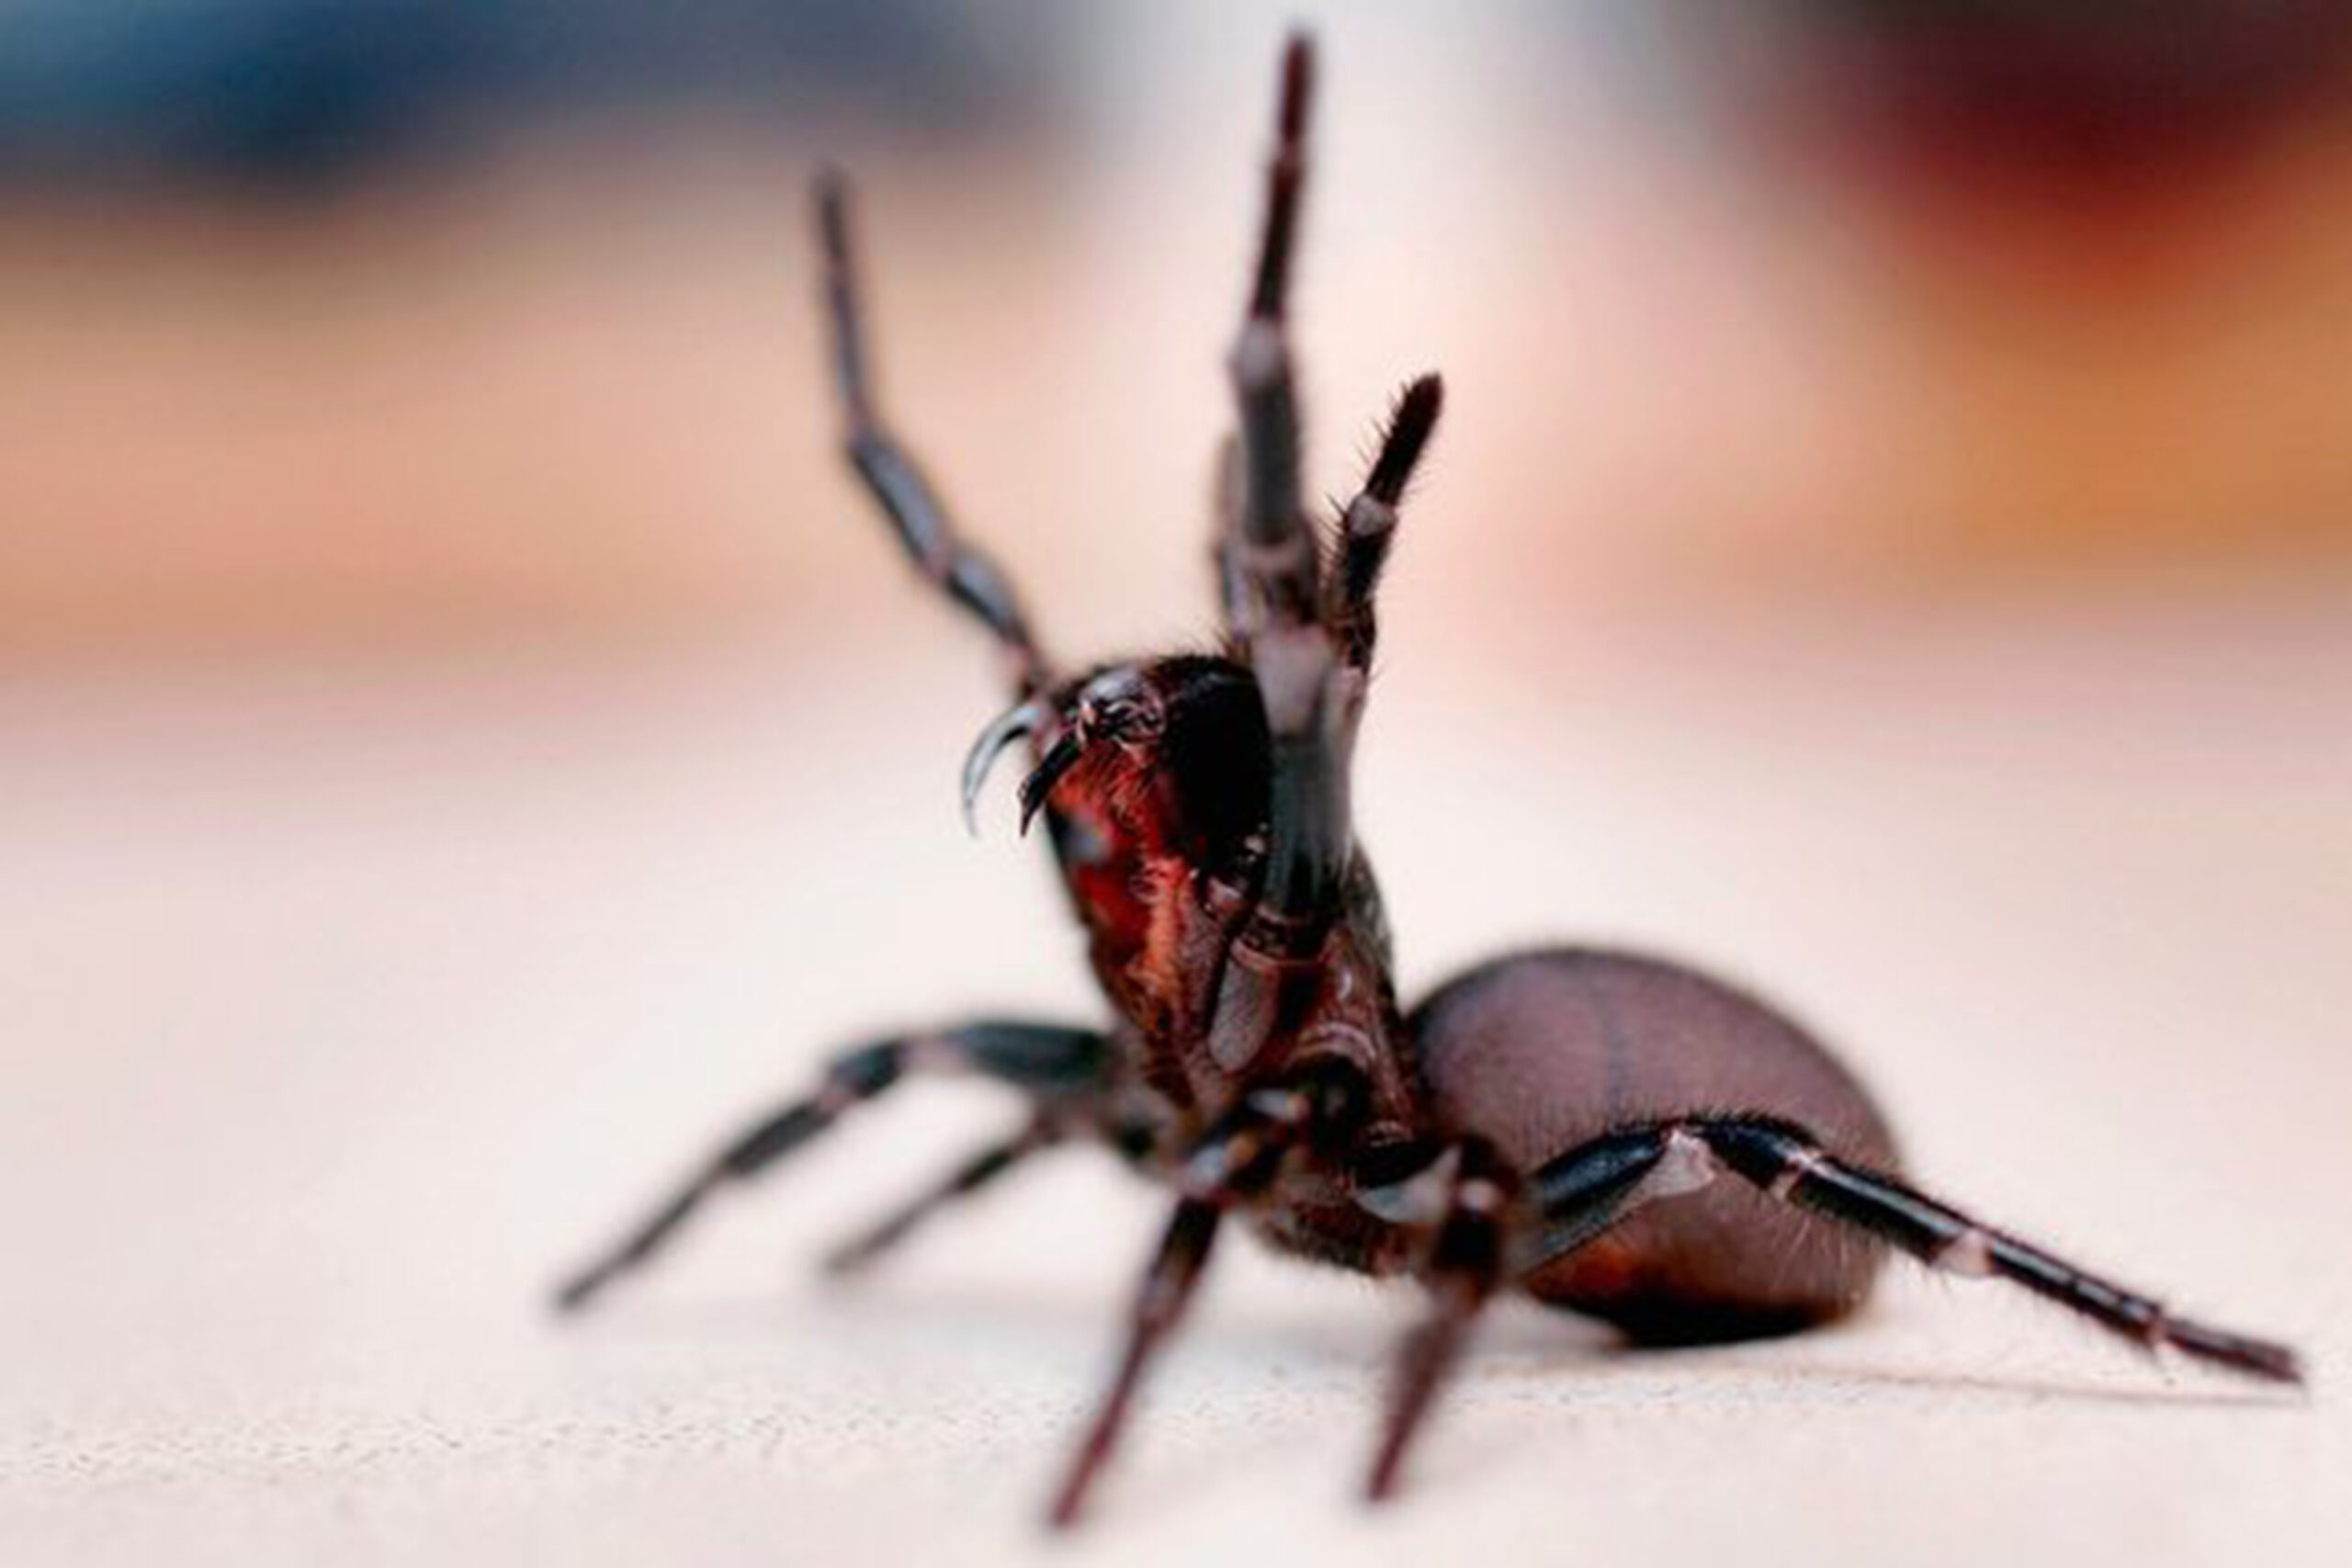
[300, 93]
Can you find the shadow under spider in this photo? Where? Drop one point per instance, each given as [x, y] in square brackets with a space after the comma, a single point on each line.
[1519, 1342]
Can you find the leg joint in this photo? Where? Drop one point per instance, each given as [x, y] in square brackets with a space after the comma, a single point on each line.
[862, 1073]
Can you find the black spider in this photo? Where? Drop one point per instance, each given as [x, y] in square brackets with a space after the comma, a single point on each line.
[1557, 1121]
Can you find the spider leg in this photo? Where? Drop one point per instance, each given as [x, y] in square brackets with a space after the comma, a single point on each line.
[1307, 648]
[979, 1170]
[1369, 524]
[1270, 552]
[1167, 1290]
[891, 474]
[1589, 1188]
[1462, 1265]
[1049, 1062]
[1271, 569]
[1236, 1160]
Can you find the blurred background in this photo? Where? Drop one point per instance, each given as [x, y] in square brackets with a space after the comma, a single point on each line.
[463, 738]
[420, 324]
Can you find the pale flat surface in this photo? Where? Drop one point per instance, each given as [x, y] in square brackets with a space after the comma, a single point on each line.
[343, 1008]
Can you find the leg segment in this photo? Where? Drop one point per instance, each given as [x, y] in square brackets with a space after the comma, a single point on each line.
[1276, 568]
[1272, 551]
[1236, 1160]
[1589, 1188]
[1167, 1290]
[981, 1169]
[893, 477]
[1133, 1138]
[1463, 1264]
[1050, 1064]
[1369, 524]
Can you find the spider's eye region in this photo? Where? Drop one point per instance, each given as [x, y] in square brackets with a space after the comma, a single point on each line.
[1123, 721]
[1118, 707]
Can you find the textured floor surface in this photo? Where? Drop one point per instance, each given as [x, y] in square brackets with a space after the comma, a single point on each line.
[342, 1009]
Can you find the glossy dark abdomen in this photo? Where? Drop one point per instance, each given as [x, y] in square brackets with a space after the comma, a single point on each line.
[1543, 1050]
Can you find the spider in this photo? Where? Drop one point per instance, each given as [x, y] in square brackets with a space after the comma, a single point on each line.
[1611, 1135]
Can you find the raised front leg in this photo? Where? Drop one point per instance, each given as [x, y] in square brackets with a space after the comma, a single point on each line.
[1369, 525]
[1060, 1070]
[1296, 640]
[1276, 570]
[1269, 551]
[891, 474]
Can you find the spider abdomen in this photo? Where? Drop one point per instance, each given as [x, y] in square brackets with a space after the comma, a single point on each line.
[1538, 1052]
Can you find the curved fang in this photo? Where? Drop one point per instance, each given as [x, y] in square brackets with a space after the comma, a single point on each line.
[1016, 723]
[1058, 760]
